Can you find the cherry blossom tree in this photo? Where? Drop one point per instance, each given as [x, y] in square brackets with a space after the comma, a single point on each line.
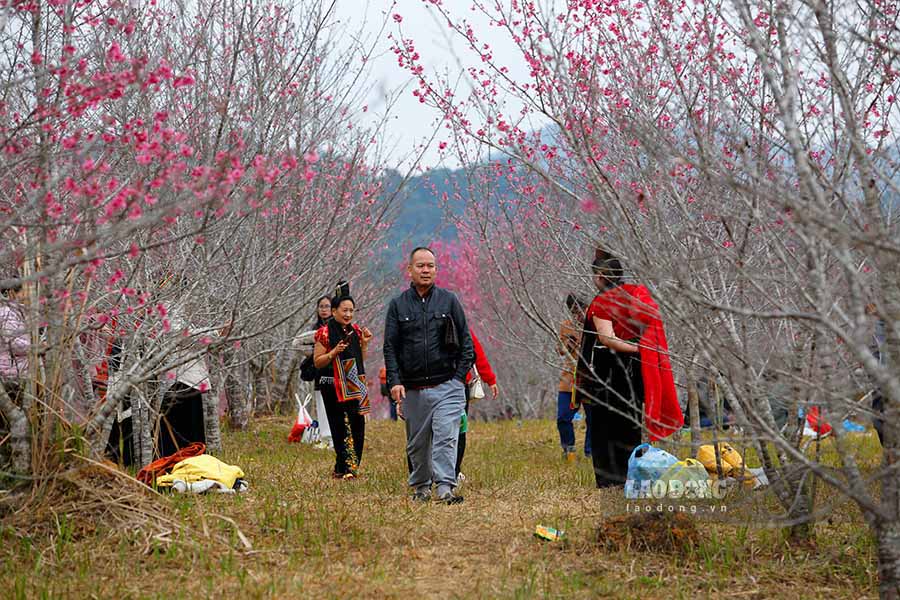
[741, 159]
[182, 181]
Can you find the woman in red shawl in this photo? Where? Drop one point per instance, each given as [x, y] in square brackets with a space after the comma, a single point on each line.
[624, 376]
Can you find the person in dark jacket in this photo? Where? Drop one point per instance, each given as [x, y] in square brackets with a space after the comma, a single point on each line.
[428, 352]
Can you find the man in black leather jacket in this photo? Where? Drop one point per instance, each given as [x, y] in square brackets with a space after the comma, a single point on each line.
[428, 352]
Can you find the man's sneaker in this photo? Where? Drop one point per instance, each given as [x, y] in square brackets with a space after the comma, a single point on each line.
[571, 457]
[422, 496]
[449, 498]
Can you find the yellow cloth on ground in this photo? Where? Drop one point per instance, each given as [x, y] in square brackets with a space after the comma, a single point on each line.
[200, 467]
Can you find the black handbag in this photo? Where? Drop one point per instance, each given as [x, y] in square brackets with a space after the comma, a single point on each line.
[308, 369]
[451, 336]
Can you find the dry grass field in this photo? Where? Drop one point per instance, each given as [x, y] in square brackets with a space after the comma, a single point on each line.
[298, 533]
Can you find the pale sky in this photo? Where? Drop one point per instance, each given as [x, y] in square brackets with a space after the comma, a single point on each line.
[412, 122]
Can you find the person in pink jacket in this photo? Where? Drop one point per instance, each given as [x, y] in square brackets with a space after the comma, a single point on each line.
[14, 341]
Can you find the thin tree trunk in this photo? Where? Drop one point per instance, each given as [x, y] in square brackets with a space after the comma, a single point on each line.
[20, 440]
[800, 513]
[887, 533]
[211, 421]
[887, 537]
[290, 382]
[259, 382]
[693, 397]
[141, 426]
[802, 528]
[275, 388]
[102, 440]
[137, 427]
[714, 387]
[239, 406]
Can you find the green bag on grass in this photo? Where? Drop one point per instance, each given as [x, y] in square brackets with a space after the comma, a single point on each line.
[687, 479]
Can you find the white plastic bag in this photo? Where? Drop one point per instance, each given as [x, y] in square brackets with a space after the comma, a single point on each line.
[322, 417]
[301, 426]
[476, 389]
[311, 434]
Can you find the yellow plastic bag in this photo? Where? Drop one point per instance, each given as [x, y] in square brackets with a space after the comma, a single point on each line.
[732, 462]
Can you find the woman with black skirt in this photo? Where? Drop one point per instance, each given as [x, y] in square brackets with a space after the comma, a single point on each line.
[624, 376]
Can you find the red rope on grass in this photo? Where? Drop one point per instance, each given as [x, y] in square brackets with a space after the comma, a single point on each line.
[163, 465]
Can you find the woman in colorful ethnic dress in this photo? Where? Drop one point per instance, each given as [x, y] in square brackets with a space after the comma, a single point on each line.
[624, 374]
[342, 344]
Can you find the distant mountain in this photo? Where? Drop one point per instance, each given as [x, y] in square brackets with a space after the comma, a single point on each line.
[428, 203]
[420, 219]
[422, 216]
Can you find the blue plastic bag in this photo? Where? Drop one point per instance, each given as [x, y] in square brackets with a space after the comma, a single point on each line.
[851, 427]
[648, 466]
